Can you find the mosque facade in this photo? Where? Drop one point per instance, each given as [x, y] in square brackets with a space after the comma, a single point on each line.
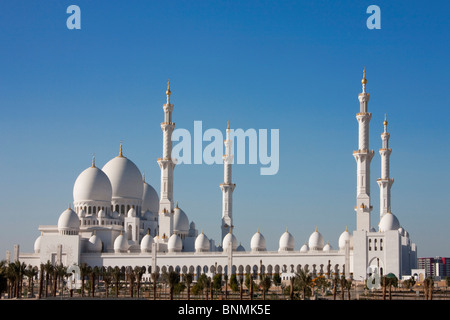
[118, 219]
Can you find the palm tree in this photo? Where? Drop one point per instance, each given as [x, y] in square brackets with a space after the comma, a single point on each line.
[62, 273]
[265, 285]
[335, 282]
[343, 282]
[188, 278]
[172, 278]
[139, 272]
[116, 275]
[107, 278]
[241, 287]
[84, 271]
[48, 268]
[41, 280]
[225, 278]
[31, 273]
[131, 278]
[428, 284]
[303, 280]
[155, 276]
[348, 286]
[94, 275]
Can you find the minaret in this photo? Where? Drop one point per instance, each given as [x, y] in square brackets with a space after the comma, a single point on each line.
[363, 157]
[227, 187]
[167, 165]
[385, 182]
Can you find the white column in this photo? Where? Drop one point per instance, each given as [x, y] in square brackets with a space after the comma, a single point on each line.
[385, 182]
[167, 166]
[227, 187]
[363, 157]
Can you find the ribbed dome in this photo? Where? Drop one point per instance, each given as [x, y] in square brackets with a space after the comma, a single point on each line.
[258, 242]
[226, 241]
[304, 248]
[286, 242]
[95, 244]
[201, 243]
[69, 222]
[150, 199]
[316, 241]
[389, 222]
[180, 221]
[344, 237]
[121, 243]
[101, 214]
[240, 248]
[82, 214]
[125, 177]
[146, 243]
[37, 244]
[92, 184]
[131, 213]
[175, 244]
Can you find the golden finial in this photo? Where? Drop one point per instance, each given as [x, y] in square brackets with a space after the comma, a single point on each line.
[143, 177]
[228, 125]
[316, 229]
[177, 205]
[93, 160]
[385, 121]
[286, 229]
[346, 229]
[148, 231]
[364, 80]
[168, 92]
[257, 231]
[120, 152]
[69, 206]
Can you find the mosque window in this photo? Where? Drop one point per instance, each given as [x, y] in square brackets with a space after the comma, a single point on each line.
[370, 244]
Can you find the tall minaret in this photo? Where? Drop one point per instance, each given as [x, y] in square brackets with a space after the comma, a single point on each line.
[385, 182]
[227, 187]
[167, 165]
[363, 157]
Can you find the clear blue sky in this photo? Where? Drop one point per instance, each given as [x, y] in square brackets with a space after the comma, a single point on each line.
[295, 66]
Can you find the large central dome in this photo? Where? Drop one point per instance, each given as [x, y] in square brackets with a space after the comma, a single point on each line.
[92, 184]
[125, 177]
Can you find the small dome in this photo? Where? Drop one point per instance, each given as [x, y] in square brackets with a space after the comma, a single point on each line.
[389, 222]
[201, 243]
[125, 178]
[92, 184]
[146, 243]
[150, 199]
[180, 221]
[69, 222]
[227, 239]
[175, 244]
[316, 241]
[258, 242]
[101, 213]
[240, 248]
[121, 243]
[95, 244]
[286, 242]
[131, 213]
[37, 244]
[304, 248]
[81, 214]
[149, 216]
[343, 238]
[327, 247]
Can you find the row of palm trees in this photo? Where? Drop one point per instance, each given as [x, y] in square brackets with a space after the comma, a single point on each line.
[128, 281]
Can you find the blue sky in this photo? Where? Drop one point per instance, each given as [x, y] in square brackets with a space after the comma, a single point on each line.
[295, 66]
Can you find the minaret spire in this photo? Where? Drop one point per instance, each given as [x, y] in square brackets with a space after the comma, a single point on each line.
[385, 182]
[167, 166]
[363, 157]
[227, 186]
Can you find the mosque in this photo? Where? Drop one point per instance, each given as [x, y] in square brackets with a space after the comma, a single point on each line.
[118, 219]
